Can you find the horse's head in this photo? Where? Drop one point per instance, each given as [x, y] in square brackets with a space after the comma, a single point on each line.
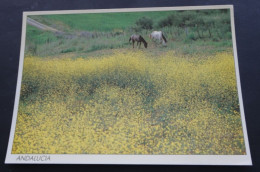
[145, 44]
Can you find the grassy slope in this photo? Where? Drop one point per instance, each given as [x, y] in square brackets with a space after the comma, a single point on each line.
[47, 44]
[43, 44]
[99, 22]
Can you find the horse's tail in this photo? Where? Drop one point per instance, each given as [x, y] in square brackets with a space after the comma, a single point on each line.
[164, 38]
[130, 39]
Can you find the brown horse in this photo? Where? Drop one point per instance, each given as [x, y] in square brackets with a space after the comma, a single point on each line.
[139, 39]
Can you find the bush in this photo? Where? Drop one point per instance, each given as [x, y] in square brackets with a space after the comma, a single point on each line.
[136, 29]
[68, 50]
[144, 23]
[191, 36]
[172, 20]
[165, 22]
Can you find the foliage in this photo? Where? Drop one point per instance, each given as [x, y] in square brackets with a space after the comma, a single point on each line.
[144, 23]
[92, 32]
[205, 23]
[176, 99]
[101, 22]
[129, 103]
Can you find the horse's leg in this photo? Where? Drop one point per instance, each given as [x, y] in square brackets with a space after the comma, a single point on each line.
[155, 42]
[133, 44]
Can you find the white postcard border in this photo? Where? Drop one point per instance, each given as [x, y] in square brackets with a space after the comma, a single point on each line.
[127, 159]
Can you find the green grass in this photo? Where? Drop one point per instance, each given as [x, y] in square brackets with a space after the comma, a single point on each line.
[43, 44]
[102, 22]
[112, 31]
[38, 36]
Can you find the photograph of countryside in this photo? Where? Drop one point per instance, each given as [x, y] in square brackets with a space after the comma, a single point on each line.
[137, 83]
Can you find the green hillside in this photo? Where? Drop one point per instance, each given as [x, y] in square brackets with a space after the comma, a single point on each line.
[187, 32]
[98, 22]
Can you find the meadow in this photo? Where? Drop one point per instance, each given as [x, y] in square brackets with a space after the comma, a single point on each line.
[203, 32]
[103, 22]
[89, 92]
[129, 103]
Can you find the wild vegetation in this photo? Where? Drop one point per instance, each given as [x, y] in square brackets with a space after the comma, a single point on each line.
[188, 32]
[129, 103]
[91, 93]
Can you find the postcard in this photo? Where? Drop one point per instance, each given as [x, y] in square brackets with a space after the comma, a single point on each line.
[129, 86]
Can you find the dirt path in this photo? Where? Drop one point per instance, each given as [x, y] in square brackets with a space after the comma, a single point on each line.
[42, 26]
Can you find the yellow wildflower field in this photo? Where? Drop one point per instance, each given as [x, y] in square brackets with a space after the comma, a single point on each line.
[129, 103]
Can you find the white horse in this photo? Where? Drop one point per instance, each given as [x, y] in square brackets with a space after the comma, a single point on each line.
[158, 35]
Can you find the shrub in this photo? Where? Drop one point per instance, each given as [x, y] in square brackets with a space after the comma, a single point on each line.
[68, 50]
[144, 23]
